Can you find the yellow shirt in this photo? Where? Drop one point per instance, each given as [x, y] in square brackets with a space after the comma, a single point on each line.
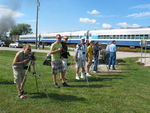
[90, 52]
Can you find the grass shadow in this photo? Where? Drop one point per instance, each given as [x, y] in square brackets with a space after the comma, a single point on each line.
[6, 82]
[91, 85]
[55, 96]
[106, 78]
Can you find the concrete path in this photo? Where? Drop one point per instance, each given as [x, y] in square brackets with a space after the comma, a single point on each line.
[120, 55]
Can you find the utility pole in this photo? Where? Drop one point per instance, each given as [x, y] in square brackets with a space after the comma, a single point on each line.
[37, 16]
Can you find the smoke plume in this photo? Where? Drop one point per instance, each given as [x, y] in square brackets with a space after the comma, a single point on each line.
[7, 15]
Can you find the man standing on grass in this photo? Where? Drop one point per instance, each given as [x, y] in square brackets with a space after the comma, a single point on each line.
[89, 57]
[65, 54]
[80, 58]
[57, 66]
[96, 56]
[112, 55]
[19, 63]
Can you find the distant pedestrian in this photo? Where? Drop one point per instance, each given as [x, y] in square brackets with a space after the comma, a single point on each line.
[107, 53]
[96, 56]
[80, 58]
[87, 43]
[112, 55]
[89, 57]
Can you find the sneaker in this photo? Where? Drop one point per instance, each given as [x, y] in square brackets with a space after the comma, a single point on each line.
[77, 77]
[88, 75]
[82, 75]
[56, 85]
[94, 71]
[65, 84]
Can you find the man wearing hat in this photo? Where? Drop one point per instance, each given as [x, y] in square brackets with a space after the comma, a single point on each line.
[80, 58]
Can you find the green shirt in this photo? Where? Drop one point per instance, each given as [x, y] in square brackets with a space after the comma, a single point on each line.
[55, 46]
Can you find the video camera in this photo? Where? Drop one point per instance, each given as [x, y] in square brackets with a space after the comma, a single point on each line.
[32, 56]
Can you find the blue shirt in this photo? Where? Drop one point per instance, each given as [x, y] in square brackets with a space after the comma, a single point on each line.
[96, 51]
[112, 48]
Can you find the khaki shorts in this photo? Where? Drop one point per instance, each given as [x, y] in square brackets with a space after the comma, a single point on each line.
[64, 61]
[80, 63]
[19, 75]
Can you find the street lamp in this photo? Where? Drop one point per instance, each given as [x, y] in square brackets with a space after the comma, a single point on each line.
[37, 15]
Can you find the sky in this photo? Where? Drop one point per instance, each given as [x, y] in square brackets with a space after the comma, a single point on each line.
[74, 15]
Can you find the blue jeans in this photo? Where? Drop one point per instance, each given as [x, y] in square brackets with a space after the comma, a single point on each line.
[95, 64]
[112, 60]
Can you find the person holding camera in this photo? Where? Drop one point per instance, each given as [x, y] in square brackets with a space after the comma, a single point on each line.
[19, 65]
[65, 54]
[80, 58]
[56, 63]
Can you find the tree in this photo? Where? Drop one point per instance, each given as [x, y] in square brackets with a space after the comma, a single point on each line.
[21, 29]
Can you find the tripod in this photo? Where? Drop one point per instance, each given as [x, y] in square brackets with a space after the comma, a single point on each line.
[32, 65]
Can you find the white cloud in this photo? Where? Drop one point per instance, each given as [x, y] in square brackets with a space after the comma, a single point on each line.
[5, 11]
[93, 12]
[142, 6]
[106, 26]
[138, 15]
[87, 20]
[134, 25]
[125, 25]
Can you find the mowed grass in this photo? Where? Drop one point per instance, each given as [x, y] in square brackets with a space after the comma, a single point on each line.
[127, 91]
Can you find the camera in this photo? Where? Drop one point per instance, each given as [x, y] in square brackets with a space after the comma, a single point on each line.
[83, 52]
[31, 56]
[25, 67]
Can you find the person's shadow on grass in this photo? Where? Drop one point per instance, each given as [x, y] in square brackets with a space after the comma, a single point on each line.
[55, 96]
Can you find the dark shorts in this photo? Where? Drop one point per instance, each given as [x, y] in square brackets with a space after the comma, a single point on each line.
[57, 66]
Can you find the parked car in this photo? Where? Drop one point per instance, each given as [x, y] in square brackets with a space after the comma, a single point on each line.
[16, 45]
[2, 43]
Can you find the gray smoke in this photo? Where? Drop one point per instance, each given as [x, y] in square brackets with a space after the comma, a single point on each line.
[6, 24]
[7, 21]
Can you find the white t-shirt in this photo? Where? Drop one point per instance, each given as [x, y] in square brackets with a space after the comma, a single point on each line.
[81, 50]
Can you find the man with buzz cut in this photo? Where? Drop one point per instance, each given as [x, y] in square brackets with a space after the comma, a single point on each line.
[57, 65]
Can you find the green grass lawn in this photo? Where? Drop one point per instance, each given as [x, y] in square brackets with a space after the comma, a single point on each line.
[127, 91]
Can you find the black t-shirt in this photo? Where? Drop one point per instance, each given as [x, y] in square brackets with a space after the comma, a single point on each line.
[64, 52]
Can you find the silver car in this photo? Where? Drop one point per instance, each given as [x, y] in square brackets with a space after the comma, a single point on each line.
[16, 45]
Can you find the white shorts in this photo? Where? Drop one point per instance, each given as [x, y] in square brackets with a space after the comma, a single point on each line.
[64, 61]
[80, 63]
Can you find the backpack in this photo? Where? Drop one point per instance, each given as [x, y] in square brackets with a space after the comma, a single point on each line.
[47, 61]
